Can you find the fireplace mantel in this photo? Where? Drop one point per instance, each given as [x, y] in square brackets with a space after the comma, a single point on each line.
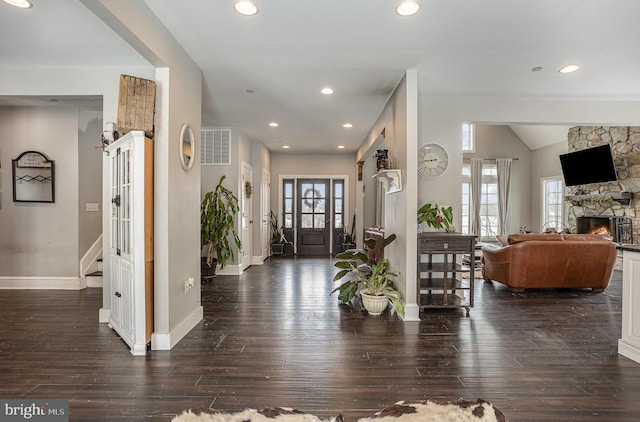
[622, 197]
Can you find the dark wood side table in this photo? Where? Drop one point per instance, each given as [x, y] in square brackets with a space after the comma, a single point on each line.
[439, 282]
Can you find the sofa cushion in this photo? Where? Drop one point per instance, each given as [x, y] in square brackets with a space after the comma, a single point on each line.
[522, 237]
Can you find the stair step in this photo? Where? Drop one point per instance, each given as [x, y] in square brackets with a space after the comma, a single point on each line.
[94, 279]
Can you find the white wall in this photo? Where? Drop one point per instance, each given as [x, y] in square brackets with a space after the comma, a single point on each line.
[545, 162]
[399, 119]
[39, 241]
[90, 178]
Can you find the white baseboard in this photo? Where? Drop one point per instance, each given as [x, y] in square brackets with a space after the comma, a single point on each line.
[411, 312]
[229, 270]
[166, 341]
[257, 260]
[94, 281]
[42, 283]
[629, 350]
[104, 315]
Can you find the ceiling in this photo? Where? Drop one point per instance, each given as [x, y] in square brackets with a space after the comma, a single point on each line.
[271, 66]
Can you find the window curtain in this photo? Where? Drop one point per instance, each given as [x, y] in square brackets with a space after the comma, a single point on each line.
[475, 193]
[503, 167]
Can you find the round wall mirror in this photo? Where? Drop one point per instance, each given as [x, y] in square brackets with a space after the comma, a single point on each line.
[187, 147]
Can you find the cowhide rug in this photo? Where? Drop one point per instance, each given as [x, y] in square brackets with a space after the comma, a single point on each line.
[418, 411]
[276, 414]
[426, 410]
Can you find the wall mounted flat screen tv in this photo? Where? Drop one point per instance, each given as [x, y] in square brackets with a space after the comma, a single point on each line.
[591, 165]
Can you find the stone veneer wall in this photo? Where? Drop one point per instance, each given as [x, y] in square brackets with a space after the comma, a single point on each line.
[625, 148]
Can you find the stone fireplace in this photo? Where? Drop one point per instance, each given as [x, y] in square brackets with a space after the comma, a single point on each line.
[619, 228]
[620, 213]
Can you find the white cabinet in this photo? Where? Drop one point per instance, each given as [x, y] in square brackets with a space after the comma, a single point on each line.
[129, 228]
[629, 344]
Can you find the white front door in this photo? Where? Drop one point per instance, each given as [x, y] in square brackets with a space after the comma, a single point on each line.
[247, 215]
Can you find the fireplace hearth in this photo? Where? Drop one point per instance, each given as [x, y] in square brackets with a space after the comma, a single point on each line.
[619, 228]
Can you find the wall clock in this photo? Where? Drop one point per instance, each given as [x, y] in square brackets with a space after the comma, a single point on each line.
[433, 160]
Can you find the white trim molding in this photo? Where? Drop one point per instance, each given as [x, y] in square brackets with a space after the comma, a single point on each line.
[235, 269]
[166, 341]
[89, 262]
[42, 283]
[103, 315]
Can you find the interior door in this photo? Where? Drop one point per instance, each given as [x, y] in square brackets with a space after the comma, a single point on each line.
[265, 208]
[314, 216]
[247, 215]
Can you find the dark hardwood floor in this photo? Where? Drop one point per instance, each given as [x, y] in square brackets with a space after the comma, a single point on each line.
[274, 337]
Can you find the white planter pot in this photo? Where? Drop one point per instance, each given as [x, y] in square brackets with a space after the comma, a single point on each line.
[374, 304]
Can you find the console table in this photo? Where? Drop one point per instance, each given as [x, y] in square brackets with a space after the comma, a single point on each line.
[439, 282]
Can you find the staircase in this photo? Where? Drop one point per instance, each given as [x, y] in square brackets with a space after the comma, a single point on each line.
[94, 279]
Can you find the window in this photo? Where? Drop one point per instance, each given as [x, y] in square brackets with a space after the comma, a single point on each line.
[488, 202]
[214, 147]
[338, 204]
[468, 144]
[287, 199]
[552, 202]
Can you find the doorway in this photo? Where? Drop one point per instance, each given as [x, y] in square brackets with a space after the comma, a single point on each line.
[313, 213]
[313, 216]
[246, 207]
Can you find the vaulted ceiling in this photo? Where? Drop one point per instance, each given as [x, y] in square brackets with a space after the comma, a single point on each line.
[270, 67]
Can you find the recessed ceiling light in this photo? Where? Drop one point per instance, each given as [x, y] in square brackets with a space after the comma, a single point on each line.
[246, 8]
[569, 68]
[327, 91]
[340, 146]
[347, 125]
[408, 8]
[24, 4]
[285, 147]
[274, 124]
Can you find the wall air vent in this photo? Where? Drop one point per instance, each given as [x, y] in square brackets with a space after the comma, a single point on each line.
[215, 146]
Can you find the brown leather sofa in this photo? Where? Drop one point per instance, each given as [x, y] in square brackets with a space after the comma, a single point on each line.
[544, 261]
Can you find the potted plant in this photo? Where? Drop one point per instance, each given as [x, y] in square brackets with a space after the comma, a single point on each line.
[218, 228]
[368, 276]
[377, 289]
[436, 217]
[349, 237]
[277, 235]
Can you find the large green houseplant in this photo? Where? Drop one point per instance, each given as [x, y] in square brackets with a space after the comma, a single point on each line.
[277, 235]
[367, 275]
[217, 226]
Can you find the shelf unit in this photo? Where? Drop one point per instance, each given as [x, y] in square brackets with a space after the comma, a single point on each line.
[440, 282]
